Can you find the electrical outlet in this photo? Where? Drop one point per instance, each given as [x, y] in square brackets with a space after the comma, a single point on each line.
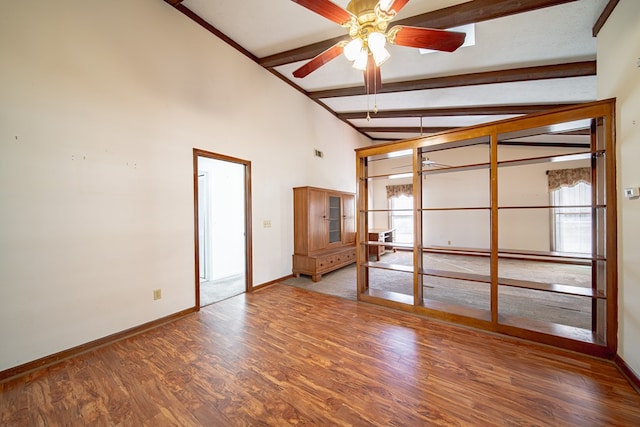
[449, 242]
[157, 294]
[266, 223]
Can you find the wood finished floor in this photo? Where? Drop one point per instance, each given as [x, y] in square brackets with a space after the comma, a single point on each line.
[287, 356]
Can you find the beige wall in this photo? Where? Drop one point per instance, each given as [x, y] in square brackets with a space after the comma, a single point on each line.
[101, 103]
[619, 77]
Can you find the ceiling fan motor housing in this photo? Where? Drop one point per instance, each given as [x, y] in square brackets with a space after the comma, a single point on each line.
[369, 18]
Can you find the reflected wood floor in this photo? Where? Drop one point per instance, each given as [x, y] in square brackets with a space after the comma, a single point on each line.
[287, 356]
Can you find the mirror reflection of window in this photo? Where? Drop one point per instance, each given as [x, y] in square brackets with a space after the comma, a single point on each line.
[572, 225]
[401, 218]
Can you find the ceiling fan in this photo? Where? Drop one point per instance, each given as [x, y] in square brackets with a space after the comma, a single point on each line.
[426, 164]
[366, 22]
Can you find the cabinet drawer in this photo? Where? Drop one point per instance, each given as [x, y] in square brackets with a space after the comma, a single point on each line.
[349, 256]
[327, 261]
[330, 261]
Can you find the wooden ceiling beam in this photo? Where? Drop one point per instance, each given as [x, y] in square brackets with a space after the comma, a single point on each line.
[604, 16]
[488, 110]
[213, 30]
[572, 69]
[465, 13]
[476, 11]
[405, 129]
[174, 2]
[436, 129]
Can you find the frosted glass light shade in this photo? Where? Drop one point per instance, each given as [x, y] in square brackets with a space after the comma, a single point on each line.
[385, 4]
[376, 41]
[352, 49]
[380, 55]
[360, 62]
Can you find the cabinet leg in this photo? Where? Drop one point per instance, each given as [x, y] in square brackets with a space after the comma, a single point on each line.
[316, 277]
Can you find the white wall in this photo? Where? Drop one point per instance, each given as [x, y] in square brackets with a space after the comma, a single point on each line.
[101, 103]
[619, 77]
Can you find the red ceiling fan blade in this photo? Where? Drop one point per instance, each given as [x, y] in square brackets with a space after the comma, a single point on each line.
[327, 9]
[396, 5]
[426, 38]
[372, 77]
[319, 61]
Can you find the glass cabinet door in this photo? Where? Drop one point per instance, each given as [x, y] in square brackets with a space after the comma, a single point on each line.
[335, 231]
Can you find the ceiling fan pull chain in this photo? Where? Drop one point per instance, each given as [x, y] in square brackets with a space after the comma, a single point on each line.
[375, 93]
[368, 115]
[368, 106]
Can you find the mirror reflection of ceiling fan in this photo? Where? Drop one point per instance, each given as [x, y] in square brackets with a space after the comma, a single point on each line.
[426, 164]
[366, 22]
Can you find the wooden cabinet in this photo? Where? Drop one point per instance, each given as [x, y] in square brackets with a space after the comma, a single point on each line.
[380, 235]
[324, 231]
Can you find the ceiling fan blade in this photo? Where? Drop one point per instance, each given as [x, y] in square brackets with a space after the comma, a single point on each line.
[327, 9]
[319, 61]
[426, 38]
[431, 164]
[396, 5]
[372, 77]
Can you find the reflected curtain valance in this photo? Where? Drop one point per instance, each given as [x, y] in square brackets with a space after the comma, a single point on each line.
[399, 190]
[568, 177]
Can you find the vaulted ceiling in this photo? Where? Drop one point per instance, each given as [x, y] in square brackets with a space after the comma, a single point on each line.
[528, 56]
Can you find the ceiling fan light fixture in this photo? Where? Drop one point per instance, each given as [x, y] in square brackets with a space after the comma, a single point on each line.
[376, 41]
[385, 4]
[352, 49]
[367, 22]
[361, 60]
[380, 56]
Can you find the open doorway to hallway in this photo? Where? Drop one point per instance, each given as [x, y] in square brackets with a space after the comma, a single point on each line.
[223, 238]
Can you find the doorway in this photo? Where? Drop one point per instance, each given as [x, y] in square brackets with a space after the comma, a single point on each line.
[222, 186]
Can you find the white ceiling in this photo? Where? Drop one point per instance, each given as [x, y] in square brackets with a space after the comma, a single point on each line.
[547, 36]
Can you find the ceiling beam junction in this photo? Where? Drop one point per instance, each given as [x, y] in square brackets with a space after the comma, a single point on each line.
[604, 16]
[466, 13]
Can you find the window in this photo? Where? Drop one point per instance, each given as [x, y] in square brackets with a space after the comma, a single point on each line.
[401, 218]
[571, 225]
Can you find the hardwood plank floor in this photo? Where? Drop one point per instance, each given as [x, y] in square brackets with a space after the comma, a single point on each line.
[287, 356]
